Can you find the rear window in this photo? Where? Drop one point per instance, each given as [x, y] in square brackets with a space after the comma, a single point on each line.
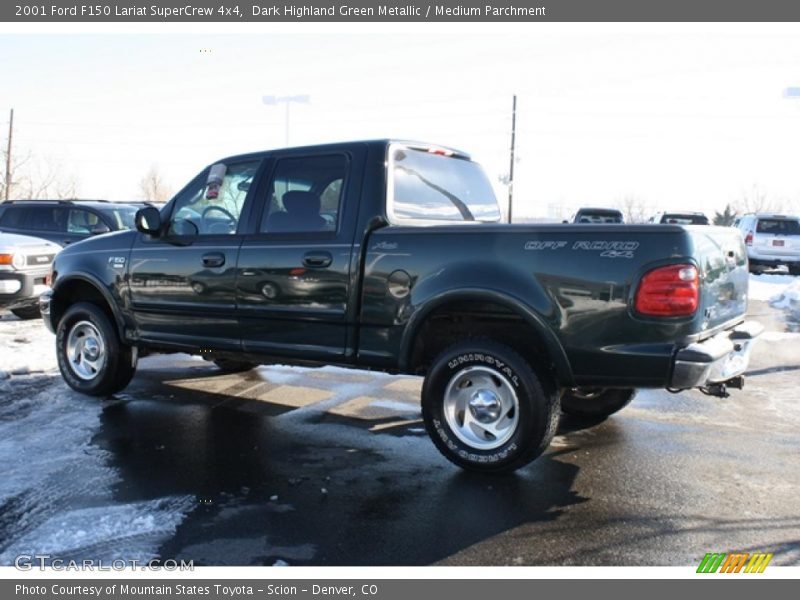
[685, 219]
[592, 217]
[435, 187]
[14, 216]
[778, 226]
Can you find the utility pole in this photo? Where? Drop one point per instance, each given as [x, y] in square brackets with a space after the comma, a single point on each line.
[8, 154]
[511, 168]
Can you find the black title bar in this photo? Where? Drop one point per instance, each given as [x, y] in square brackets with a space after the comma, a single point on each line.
[443, 11]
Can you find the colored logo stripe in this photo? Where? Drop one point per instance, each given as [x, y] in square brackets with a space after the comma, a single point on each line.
[733, 563]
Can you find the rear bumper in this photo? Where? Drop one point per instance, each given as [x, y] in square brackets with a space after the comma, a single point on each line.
[21, 288]
[716, 359]
[772, 260]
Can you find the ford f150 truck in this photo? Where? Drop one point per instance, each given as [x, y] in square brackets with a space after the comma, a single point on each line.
[390, 255]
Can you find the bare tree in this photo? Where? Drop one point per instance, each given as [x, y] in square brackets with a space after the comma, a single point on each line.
[633, 208]
[153, 187]
[38, 178]
[756, 200]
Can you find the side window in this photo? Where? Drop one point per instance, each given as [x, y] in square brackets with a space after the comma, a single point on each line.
[305, 195]
[13, 217]
[81, 221]
[48, 218]
[213, 207]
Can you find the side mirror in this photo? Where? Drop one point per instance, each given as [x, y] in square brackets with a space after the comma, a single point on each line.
[148, 220]
[99, 228]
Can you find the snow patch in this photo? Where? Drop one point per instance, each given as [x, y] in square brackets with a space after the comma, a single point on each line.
[123, 531]
[765, 287]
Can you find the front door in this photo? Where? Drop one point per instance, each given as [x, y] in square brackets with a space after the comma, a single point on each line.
[182, 283]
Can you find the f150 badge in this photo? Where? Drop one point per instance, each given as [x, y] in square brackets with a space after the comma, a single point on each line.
[606, 249]
[116, 262]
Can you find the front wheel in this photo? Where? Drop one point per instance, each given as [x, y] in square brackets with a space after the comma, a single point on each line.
[595, 402]
[91, 357]
[485, 409]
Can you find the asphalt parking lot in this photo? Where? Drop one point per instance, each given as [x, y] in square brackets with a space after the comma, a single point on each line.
[294, 466]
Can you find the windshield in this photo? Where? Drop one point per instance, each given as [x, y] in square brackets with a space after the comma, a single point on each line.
[438, 187]
[121, 216]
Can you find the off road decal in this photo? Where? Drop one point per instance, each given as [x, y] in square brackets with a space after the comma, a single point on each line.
[489, 360]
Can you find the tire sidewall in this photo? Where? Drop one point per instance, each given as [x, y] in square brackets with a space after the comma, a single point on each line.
[533, 418]
[88, 312]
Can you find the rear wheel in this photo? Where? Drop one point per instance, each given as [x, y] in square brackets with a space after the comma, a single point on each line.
[485, 409]
[26, 313]
[595, 402]
[91, 357]
[234, 366]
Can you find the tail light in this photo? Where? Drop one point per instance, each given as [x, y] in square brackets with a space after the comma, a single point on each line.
[748, 240]
[672, 291]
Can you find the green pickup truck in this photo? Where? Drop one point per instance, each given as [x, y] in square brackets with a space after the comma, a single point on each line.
[390, 255]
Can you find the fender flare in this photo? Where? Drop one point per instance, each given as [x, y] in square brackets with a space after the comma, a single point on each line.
[553, 346]
[100, 287]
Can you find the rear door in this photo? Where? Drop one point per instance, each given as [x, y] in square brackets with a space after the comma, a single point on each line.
[182, 283]
[294, 271]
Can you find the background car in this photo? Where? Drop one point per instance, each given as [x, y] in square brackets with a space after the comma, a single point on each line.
[24, 268]
[771, 240]
[66, 221]
[680, 218]
[597, 215]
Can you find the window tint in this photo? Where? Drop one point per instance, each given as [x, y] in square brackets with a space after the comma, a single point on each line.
[679, 219]
[14, 216]
[305, 195]
[81, 221]
[778, 226]
[214, 209]
[429, 186]
[48, 218]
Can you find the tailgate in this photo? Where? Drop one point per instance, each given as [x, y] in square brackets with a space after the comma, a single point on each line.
[721, 255]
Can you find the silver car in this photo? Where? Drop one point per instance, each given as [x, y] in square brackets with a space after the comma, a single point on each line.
[771, 240]
[24, 269]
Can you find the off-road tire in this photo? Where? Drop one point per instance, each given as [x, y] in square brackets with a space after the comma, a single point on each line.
[228, 365]
[118, 367]
[602, 402]
[537, 406]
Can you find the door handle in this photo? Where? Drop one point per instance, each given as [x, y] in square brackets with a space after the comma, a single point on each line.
[317, 260]
[213, 259]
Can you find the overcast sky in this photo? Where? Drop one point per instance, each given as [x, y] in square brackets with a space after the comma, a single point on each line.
[678, 120]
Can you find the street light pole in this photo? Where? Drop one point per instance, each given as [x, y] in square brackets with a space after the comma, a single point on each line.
[287, 100]
[511, 167]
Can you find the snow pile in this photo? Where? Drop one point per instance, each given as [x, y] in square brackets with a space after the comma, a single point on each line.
[788, 298]
[25, 347]
[766, 287]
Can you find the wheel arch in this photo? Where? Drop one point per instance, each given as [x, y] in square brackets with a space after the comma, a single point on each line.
[83, 287]
[545, 342]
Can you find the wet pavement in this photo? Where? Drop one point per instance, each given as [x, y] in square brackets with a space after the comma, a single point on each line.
[333, 467]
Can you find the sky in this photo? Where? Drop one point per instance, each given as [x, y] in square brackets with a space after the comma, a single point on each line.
[677, 118]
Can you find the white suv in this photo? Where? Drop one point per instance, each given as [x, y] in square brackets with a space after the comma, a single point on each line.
[771, 240]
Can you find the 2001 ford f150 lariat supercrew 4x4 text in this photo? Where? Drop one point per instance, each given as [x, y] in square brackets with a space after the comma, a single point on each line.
[390, 256]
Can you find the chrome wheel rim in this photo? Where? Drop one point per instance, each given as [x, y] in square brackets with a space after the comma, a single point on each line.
[86, 351]
[481, 408]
